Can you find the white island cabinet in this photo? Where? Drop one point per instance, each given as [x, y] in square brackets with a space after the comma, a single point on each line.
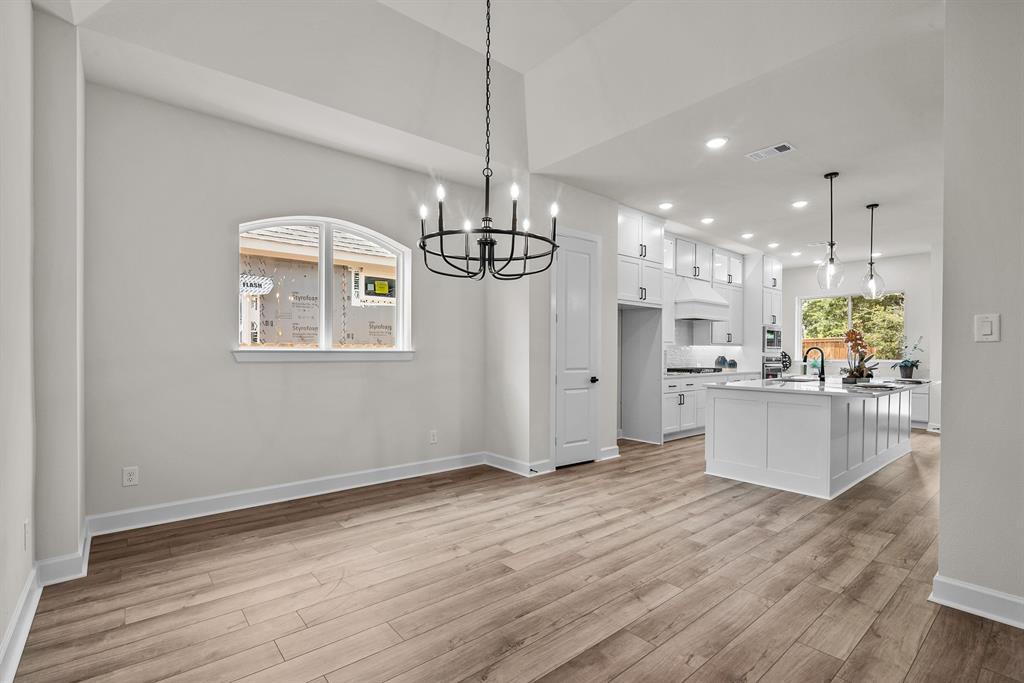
[810, 438]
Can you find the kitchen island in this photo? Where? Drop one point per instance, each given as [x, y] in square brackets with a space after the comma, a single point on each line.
[801, 435]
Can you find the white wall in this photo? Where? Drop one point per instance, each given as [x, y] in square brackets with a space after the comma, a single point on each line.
[16, 392]
[166, 191]
[59, 165]
[912, 275]
[981, 527]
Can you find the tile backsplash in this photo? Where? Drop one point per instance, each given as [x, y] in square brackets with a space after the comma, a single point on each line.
[704, 356]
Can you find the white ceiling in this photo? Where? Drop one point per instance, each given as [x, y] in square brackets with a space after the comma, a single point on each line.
[612, 96]
[524, 33]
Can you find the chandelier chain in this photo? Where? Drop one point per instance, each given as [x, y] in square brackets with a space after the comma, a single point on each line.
[487, 100]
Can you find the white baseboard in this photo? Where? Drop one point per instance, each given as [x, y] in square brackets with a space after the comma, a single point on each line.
[16, 632]
[542, 467]
[66, 567]
[608, 452]
[134, 518]
[508, 464]
[984, 602]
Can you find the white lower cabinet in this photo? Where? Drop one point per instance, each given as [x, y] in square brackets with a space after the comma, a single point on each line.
[670, 415]
[919, 405]
[683, 410]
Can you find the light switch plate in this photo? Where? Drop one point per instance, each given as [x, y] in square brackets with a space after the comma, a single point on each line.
[986, 327]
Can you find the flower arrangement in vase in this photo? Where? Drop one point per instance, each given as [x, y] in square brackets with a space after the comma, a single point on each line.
[908, 364]
[858, 359]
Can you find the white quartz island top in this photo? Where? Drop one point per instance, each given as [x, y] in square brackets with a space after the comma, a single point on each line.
[831, 387]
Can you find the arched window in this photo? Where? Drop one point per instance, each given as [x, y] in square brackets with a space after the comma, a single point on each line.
[288, 301]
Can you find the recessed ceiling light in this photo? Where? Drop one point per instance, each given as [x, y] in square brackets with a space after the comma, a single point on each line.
[772, 245]
[716, 143]
[876, 254]
[796, 253]
[800, 204]
[747, 235]
[665, 206]
[707, 221]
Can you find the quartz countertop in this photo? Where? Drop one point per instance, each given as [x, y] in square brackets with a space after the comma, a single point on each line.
[831, 387]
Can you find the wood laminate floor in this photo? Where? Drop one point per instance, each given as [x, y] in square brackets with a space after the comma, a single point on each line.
[635, 569]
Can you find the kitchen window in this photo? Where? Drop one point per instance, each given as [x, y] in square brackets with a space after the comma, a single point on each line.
[825, 320]
[292, 306]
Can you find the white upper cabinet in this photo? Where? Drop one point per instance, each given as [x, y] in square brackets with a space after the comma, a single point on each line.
[772, 269]
[693, 259]
[652, 235]
[639, 281]
[668, 260]
[727, 332]
[728, 268]
[641, 236]
[771, 310]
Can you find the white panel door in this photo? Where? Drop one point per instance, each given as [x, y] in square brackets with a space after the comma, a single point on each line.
[651, 235]
[577, 332]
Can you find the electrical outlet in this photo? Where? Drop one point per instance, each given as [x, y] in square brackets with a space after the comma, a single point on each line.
[433, 436]
[130, 476]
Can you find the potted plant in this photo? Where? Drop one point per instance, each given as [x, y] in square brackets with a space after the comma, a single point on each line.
[860, 368]
[908, 364]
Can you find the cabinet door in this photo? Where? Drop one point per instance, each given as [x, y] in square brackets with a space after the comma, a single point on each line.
[772, 308]
[703, 262]
[735, 318]
[686, 258]
[701, 399]
[721, 267]
[668, 260]
[919, 407]
[736, 269]
[629, 234]
[720, 332]
[670, 413]
[652, 279]
[629, 279]
[766, 306]
[668, 311]
[772, 272]
[651, 236]
[687, 410]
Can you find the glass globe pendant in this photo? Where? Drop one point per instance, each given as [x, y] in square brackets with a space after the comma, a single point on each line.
[872, 286]
[831, 271]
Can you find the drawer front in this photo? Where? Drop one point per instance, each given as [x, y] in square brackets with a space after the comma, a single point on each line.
[673, 386]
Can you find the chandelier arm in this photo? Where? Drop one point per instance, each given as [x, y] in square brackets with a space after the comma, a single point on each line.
[528, 273]
[511, 252]
[459, 272]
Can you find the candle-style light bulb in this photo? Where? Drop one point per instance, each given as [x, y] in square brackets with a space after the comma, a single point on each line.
[467, 225]
[423, 212]
[554, 209]
[554, 218]
[514, 191]
[526, 225]
[440, 208]
[440, 193]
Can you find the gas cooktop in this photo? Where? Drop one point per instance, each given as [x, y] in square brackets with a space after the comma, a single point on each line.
[694, 371]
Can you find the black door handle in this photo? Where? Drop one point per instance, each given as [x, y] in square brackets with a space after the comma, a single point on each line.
[594, 380]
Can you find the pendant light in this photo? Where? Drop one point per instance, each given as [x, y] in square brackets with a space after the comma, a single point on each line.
[831, 270]
[507, 254]
[872, 286]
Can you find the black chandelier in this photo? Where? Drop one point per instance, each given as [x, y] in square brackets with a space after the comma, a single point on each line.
[504, 253]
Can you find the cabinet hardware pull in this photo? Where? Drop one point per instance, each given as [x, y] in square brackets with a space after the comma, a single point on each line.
[679, 400]
[775, 283]
[696, 271]
[729, 278]
[728, 337]
[594, 380]
[643, 250]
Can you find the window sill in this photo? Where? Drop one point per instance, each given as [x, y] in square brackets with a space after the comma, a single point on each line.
[320, 355]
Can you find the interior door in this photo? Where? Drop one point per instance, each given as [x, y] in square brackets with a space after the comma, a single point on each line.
[577, 333]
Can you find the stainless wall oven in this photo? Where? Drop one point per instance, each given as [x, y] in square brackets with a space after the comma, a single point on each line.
[771, 367]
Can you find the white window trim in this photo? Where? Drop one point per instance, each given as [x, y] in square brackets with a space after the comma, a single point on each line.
[403, 350]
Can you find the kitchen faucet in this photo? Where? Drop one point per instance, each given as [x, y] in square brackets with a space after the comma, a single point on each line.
[821, 369]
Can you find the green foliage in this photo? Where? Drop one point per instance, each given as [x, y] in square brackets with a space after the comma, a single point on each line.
[881, 321]
[824, 318]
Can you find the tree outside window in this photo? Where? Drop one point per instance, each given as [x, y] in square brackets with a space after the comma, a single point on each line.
[825, 321]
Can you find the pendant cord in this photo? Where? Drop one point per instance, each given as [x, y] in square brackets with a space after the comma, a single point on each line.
[831, 222]
[487, 100]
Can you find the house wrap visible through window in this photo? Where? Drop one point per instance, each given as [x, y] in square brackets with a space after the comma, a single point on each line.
[288, 299]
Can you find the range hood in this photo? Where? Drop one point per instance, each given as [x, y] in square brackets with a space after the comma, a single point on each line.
[697, 300]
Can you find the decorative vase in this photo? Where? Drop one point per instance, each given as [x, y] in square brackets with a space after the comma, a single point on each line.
[906, 371]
